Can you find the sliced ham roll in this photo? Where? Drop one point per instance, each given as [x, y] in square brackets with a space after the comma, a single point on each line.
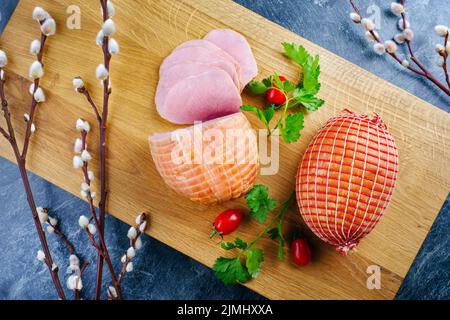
[237, 46]
[211, 57]
[203, 97]
[210, 162]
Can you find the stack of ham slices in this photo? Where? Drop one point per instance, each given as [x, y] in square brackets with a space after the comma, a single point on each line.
[202, 80]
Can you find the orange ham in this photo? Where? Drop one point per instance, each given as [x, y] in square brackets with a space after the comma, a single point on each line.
[346, 178]
[210, 162]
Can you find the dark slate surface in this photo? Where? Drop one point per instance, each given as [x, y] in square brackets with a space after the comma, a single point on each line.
[163, 273]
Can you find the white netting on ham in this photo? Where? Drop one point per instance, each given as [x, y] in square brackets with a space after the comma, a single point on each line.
[346, 178]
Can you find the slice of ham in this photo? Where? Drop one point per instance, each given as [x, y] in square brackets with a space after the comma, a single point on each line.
[212, 57]
[175, 74]
[237, 46]
[184, 160]
[203, 97]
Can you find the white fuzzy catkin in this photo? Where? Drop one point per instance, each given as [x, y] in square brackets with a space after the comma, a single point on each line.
[92, 229]
[356, 18]
[78, 145]
[91, 176]
[82, 125]
[405, 63]
[370, 36]
[36, 71]
[35, 47]
[368, 24]
[39, 95]
[112, 293]
[50, 229]
[123, 259]
[109, 28]
[85, 187]
[397, 8]
[40, 255]
[110, 8]
[2, 75]
[129, 267]
[131, 253]
[48, 28]
[77, 162]
[132, 233]
[73, 260]
[138, 244]
[39, 14]
[390, 46]
[33, 128]
[400, 24]
[3, 59]
[101, 72]
[86, 156]
[77, 83]
[99, 39]
[439, 48]
[113, 46]
[83, 221]
[74, 282]
[31, 88]
[43, 216]
[441, 30]
[399, 38]
[139, 219]
[93, 194]
[379, 48]
[408, 34]
[53, 221]
[142, 226]
[26, 117]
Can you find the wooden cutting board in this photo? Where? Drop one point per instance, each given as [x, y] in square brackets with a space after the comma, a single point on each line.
[147, 32]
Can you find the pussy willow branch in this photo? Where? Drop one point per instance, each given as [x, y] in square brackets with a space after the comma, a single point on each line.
[102, 127]
[422, 71]
[100, 247]
[133, 245]
[59, 233]
[21, 163]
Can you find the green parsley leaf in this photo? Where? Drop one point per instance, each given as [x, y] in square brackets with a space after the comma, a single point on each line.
[309, 101]
[255, 258]
[273, 233]
[259, 202]
[269, 113]
[292, 127]
[230, 270]
[238, 243]
[257, 87]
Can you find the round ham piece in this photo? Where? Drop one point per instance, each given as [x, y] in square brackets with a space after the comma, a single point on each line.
[203, 97]
[211, 162]
[212, 57]
[346, 178]
[237, 46]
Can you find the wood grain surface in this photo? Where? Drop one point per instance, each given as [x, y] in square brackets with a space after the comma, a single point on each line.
[148, 31]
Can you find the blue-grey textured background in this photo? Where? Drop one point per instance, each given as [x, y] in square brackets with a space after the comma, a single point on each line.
[163, 273]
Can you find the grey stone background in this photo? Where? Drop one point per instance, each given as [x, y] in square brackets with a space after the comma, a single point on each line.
[163, 273]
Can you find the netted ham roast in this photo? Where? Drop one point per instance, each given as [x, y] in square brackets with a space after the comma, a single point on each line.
[346, 179]
[211, 162]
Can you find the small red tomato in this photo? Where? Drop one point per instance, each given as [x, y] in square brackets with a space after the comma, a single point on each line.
[301, 253]
[275, 96]
[226, 222]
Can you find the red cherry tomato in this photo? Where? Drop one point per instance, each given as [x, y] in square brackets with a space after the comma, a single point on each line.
[301, 253]
[226, 222]
[275, 96]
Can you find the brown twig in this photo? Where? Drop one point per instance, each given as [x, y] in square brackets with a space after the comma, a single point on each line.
[58, 232]
[21, 163]
[445, 56]
[423, 72]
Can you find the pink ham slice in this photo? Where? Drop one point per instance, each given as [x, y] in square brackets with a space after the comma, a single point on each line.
[215, 58]
[237, 46]
[175, 74]
[203, 97]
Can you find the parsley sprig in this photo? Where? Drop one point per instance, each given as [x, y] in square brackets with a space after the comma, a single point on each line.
[249, 259]
[304, 94]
